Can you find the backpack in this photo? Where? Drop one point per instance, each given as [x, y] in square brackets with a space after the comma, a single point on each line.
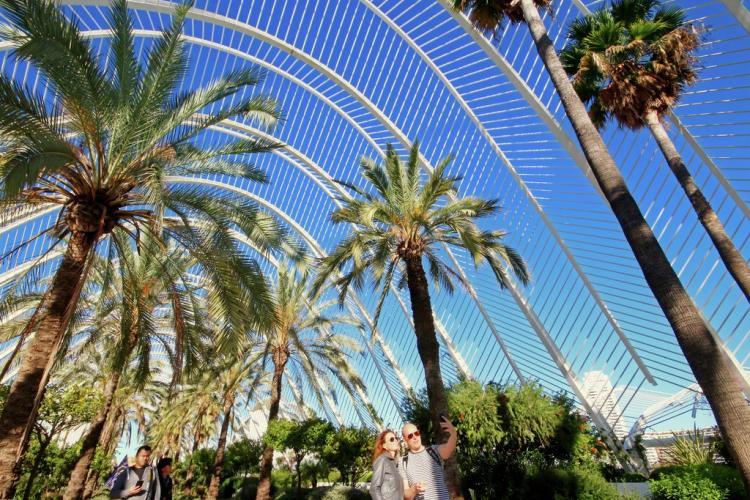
[430, 451]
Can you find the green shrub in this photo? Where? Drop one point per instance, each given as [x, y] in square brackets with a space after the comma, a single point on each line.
[724, 477]
[282, 479]
[679, 487]
[239, 488]
[573, 484]
[338, 493]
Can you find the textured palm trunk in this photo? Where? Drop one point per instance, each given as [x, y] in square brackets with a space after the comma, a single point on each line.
[429, 353]
[704, 355]
[105, 443]
[213, 489]
[280, 358]
[77, 483]
[730, 255]
[191, 469]
[43, 445]
[22, 404]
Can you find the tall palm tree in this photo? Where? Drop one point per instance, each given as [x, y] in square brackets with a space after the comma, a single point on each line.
[631, 61]
[236, 378]
[198, 407]
[397, 227]
[142, 285]
[302, 335]
[105, 154]
[212, 399]
[705, 357]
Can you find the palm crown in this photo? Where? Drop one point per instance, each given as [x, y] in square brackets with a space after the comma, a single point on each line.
[304, 336]
[488, 15]
[406, 219]
[111, 149]
[631, 59]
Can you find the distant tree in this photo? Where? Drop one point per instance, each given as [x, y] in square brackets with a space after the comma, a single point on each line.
[242, 457]
[349, 450]
[303, 336]
[303, 438]
[62, 410]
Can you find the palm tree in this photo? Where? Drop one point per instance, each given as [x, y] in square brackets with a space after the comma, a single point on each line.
[631, 61]
[213, 397]
[143, 284]
[238, 377]
[705, 357]
[398, 226]
[302, 335]
[131, 400]
[194, 409]
[105, 153]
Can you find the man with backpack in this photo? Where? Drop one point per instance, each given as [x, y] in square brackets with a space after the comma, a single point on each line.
[422, 468]
[139, 481]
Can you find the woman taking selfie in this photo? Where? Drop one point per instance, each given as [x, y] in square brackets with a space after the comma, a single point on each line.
[386, 483]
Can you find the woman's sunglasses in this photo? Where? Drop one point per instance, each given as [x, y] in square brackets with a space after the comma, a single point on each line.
[392, 439]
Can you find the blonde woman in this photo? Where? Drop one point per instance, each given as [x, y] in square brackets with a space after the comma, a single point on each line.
[386, 483]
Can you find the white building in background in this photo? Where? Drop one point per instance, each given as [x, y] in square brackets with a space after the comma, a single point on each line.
[254, 424]
[600, 394]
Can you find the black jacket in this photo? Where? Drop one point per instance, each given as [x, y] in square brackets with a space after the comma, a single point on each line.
[166, 487]
[386, 483]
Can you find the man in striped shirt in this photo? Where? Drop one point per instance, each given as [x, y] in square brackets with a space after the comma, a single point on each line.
[422, 468]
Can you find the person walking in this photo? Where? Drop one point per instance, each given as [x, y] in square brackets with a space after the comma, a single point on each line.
[422, 467]
[164, 467]
[386, 482]
[139, 481]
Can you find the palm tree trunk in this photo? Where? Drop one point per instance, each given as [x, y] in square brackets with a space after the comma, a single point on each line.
[280, 358]
[77, 482]
[21, 406]
[105, 443]
[730, 255]
[191, 469]
[429, 353]
[35, 468]
[704, 355]
[213, 489]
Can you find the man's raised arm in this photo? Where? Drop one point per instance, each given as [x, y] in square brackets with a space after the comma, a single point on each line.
[446, 449]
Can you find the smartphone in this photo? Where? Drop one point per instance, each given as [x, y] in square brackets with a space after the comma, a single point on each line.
[443, 417]
[139, 483]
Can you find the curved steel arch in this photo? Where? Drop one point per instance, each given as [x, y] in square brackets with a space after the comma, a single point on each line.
[367, 136]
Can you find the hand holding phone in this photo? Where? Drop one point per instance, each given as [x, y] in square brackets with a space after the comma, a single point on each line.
[445, 424]
[139, 484]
